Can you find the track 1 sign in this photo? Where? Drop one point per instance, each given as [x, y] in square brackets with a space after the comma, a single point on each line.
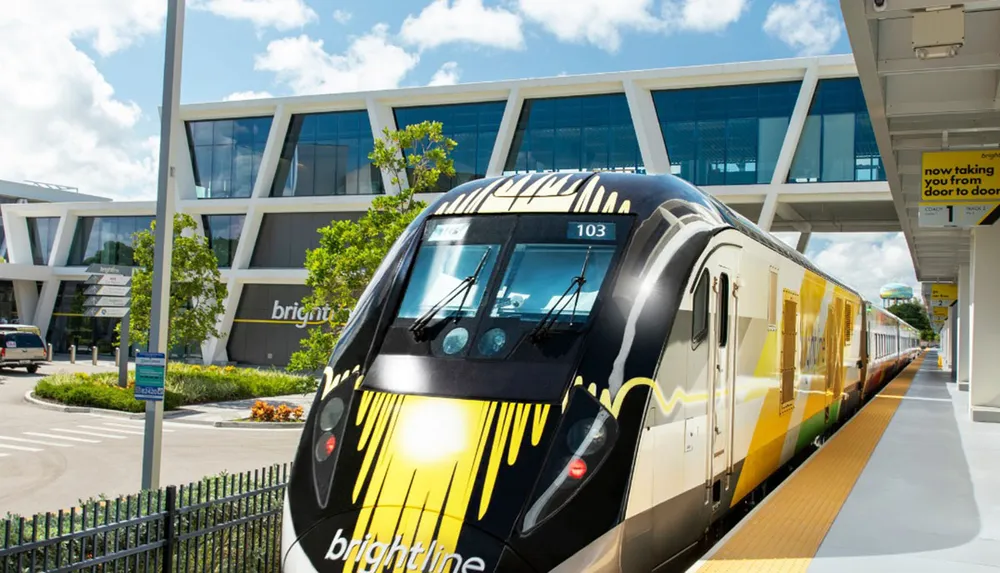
[150, 373]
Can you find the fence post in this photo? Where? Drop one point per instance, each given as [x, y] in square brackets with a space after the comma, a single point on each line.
[168, 530]
[72, 354]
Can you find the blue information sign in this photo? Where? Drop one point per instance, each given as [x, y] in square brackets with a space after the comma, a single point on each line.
[590, 231]
[150, 373]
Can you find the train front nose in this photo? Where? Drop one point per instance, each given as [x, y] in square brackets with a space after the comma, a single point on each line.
[421, 541]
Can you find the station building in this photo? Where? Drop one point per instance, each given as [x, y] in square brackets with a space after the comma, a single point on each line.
[788, 143]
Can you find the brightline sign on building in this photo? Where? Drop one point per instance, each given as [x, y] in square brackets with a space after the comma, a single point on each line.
[298, 313]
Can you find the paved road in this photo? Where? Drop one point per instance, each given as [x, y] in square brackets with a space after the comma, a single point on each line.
[50, 460]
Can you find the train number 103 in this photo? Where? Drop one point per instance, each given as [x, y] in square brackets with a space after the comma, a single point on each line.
[592, 231]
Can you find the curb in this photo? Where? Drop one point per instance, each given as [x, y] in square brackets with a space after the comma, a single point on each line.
[174, 416]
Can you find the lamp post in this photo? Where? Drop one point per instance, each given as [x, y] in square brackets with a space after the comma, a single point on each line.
[159, 319]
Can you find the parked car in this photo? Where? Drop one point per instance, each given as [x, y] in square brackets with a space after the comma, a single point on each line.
[20, 328]
[19, 348]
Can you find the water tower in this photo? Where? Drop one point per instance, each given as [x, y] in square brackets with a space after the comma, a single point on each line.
[894, 293]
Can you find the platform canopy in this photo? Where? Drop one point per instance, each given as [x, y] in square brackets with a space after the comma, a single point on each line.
[931, 78]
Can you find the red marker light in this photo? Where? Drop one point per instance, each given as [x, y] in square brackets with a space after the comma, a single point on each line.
[577, 468]
[331, 443]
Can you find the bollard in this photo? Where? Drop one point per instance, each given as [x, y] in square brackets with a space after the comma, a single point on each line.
[72, 354]
[93, 355]
[49, 355]
[118, 352]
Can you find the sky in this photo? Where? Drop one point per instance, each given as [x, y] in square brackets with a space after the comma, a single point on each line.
[82, 82]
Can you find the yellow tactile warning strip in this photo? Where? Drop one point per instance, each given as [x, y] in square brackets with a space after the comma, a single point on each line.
[787, 529]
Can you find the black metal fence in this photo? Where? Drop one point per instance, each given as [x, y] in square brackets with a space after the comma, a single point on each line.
[222, 523]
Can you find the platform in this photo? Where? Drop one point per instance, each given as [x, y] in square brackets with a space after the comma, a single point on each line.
[908, 485]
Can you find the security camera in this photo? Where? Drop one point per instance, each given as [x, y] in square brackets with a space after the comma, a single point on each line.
[879, 5]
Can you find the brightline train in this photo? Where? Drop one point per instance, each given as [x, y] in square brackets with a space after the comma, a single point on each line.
[573, 373]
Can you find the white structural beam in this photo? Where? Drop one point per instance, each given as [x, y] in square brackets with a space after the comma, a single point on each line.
[803, 242]
[272, 152]
[963, 307]
[647, 129]
[984, 337]
[795, 126]
[961, 62]
[505, 135]
[381, 118]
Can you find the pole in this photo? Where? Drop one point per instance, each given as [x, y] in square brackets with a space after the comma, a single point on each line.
[163, 247]
[123, 347]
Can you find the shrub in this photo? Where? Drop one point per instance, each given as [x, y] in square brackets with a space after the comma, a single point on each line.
[263, 412]
[186, 384]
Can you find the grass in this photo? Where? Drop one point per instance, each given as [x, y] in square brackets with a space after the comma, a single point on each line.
[185, 385]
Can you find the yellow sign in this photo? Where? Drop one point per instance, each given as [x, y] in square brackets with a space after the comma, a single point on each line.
[944, 291]
[960, 176]
[941, 311]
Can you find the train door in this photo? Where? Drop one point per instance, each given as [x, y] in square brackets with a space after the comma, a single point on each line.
[833, 340]
[723, 267]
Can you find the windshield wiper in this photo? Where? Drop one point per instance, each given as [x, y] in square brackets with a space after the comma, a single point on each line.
[576, 286]
[463, 287]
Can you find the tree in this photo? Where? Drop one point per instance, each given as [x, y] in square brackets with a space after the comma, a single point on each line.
[349, 252]
[915, 315]
[196, 288]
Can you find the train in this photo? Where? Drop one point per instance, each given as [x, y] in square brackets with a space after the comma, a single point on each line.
[572, 372]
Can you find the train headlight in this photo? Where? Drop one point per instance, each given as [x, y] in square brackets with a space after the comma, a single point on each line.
[584, 440]
[331, 414]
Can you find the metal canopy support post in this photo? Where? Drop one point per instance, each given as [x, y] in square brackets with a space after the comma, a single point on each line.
[163, 248]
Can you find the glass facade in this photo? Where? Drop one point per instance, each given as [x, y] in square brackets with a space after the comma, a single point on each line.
[838, 142]
[327, 154]
[284, 238]
[226, 154]
[42, 235]
[575, 134]
[106, 240]
[727, 135]
[68, 325]
[473, 126]
[223, 234]
[8, 304]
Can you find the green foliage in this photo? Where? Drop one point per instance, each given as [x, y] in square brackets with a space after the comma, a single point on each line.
[349, 252]
[915, 315]
[196, 288]
[185, 385]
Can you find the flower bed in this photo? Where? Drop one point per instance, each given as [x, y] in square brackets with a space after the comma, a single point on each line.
[185, 385]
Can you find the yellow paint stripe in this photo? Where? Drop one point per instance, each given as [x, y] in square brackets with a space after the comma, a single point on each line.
[787, 530]
[270, 321]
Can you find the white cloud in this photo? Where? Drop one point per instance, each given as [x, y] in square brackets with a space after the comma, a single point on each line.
[865, 261]
[447, 75]
[342, 16]
[370, 62]
[280, 14]
[238, 96]
[809, 27]
[703, 15]
[452, 21]
[598, 22]
[62, 122]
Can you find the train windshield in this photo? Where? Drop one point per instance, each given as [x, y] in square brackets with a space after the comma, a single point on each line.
[556, 280]
[480, 285]
[449, 280]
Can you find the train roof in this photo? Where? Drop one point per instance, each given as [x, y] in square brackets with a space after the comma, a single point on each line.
[604, 192]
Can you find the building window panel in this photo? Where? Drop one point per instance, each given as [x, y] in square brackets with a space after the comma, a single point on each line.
[106, 240]
[223, 234]
[226, 155]
[473, 126]
[42, 236]
[284, 238]
[327, 154]
[584, 133]
[837, 142]
[729, 135]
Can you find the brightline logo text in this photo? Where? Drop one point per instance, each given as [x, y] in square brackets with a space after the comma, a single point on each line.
[415, 558]
[299, 314]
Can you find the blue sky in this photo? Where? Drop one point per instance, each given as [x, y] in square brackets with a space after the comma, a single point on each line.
[79, 96]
